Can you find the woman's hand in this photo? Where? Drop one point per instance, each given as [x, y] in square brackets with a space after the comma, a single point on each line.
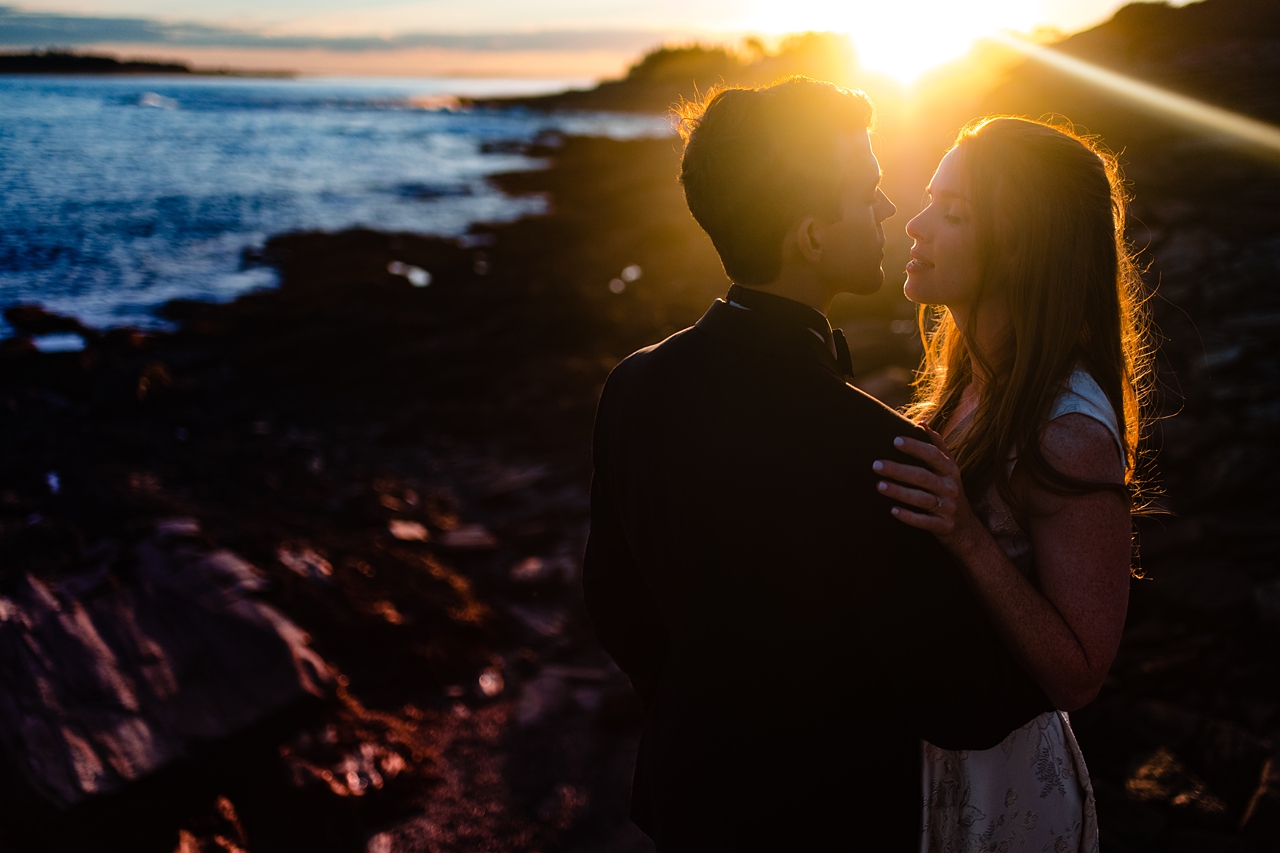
[931, 498]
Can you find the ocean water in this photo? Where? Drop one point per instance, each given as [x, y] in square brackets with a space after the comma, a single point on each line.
[120, 193]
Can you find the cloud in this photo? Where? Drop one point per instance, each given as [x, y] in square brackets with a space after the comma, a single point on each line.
[20, 29]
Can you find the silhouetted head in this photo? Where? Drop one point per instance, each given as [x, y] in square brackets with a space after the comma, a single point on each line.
[758, 163]
[1021, 250]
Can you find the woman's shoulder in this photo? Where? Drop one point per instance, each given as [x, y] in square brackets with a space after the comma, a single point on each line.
[1094, 430]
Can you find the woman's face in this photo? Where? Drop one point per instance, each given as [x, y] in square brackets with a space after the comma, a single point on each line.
[944, 267]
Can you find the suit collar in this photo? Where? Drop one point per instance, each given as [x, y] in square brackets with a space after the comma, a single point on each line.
[772, 334]
[781, 308]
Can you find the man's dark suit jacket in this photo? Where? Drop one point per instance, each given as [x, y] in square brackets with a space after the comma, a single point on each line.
[791, 640]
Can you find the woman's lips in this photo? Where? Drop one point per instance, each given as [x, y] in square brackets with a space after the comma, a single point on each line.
[918, 263]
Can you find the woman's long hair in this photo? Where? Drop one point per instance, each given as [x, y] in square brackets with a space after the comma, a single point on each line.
[1049, 210]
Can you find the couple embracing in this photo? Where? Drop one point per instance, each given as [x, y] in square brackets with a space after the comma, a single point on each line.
[854, 629]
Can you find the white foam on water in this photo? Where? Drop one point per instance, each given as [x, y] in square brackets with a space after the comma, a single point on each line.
[62, 342]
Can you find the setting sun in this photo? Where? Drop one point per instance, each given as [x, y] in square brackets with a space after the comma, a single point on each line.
[903, 39]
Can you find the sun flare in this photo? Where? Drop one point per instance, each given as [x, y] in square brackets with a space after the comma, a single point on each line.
[899, 38]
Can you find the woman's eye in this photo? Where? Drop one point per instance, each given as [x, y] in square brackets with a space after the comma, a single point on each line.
[952, 218]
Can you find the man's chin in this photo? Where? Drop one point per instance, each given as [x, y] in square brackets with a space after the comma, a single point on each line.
[870, 284]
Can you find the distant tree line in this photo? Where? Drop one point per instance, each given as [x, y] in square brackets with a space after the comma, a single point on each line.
[65, 62]
[666, 74]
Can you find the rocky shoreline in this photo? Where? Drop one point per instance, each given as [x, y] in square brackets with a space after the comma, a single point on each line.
[404, 471]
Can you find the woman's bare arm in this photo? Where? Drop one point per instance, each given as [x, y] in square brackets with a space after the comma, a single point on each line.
[1065, 633]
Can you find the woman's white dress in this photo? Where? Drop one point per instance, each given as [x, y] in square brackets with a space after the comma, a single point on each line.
[1032, 792]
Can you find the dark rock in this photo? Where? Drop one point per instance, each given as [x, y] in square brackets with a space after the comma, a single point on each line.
[1206, 587]
[34, 320]
[104, 684]
[539, 699]
[1163, 779]
[1260, 824]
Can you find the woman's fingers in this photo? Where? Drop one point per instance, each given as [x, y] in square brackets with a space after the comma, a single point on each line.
[927, 501]
[912, 475]
[937, 503]
[930, 454]
[946, 487]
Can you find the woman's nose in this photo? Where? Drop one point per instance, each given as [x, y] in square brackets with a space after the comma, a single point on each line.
[914, 227]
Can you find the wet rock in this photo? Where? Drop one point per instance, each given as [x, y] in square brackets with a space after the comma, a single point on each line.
[469, 537]
[99, 690]
[1163, 778]
[358, 771]
[533, 571]
[516, 478]
[546, 621]
[539, 699]
[178, 527]
[383, 842]
[1260, 824]
[563, 806]
[217, 831]
[304, 562]
[229, 571]
[1229, 757]
[408, 531]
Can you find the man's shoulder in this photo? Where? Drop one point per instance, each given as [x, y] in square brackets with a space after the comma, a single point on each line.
[677, 343]
[670, 350]
[686, 349]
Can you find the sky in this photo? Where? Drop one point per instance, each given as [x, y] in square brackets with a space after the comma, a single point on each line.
[585, 37]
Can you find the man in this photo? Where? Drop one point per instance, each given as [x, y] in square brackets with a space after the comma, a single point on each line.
[791, 640]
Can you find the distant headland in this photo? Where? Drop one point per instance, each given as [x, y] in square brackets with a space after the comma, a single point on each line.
[65, 62]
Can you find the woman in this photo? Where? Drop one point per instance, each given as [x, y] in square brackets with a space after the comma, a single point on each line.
[1033, 375]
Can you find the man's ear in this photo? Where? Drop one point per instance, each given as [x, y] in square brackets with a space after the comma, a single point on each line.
[808, 240]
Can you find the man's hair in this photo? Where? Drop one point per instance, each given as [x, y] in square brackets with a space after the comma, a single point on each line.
[757, 161]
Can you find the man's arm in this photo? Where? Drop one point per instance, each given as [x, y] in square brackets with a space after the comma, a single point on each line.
[618, 600]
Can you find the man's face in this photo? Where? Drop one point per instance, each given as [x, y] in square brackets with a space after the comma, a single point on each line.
[853, 245]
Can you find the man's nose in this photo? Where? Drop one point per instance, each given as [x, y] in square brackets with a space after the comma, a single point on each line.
[886, 208]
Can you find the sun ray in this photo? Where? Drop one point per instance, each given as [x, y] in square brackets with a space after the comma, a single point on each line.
[1197, 112]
